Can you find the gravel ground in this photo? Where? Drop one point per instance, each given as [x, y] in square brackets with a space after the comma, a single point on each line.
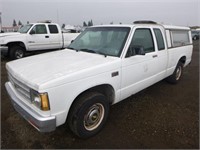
[161, 116]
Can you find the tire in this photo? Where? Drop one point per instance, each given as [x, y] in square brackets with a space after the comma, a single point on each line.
[177, 74]
[16, 52]
[88, 114]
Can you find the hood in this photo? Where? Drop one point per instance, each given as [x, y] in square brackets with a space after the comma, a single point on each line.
[11, 37]
[38, 71]
[9, 34]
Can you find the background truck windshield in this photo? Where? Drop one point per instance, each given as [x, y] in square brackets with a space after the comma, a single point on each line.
[102, 40]
[25, 28]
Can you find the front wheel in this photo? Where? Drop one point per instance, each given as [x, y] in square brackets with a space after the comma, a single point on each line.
[88, 114]
[16, 52]
[176, 76]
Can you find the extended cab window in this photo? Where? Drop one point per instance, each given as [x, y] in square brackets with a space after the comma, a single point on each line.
[159, 39]
[142, 39]
[180, 38]
[53, 29]
[39, 29]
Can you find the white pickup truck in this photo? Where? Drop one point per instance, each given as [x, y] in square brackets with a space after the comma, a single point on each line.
[34, 37]
[101, 67]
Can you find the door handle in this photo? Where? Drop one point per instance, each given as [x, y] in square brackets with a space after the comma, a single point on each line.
[155, 56]
[47, 36]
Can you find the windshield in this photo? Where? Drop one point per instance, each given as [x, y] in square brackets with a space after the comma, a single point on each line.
[25, 28]
[102, 40]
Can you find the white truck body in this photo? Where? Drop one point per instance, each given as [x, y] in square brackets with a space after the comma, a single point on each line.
[66, 74]
[46, 36]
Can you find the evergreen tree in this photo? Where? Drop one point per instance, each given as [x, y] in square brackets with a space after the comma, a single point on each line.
[14, 23]
[63, 26]
[84, 24]
[19, 23]
[91, 22]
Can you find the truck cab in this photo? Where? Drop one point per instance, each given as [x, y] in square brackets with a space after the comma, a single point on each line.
[43, 36]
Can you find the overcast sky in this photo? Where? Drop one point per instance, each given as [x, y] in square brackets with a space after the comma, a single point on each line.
[74, 12]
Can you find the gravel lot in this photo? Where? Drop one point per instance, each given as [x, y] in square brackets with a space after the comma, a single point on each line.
[161, 116]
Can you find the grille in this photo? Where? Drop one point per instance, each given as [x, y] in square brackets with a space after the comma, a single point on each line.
[21, 89]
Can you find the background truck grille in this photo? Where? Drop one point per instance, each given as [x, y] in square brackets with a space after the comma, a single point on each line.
[21, 88]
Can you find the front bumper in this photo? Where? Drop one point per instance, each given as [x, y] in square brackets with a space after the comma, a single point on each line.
[42, 124]
[4, 50]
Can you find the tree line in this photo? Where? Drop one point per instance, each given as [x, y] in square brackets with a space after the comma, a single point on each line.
[19, 23]
[85, 24]
[90, 23]
[16, 24]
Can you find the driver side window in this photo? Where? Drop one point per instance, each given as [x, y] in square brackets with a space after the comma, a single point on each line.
[39, 29]
[142, 39]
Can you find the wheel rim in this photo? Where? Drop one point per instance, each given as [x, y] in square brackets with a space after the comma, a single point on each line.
[178, 73]
[19, 54]
[94, 116]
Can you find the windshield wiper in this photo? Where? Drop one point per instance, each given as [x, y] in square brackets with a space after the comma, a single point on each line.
[92, 51]
[88, 50]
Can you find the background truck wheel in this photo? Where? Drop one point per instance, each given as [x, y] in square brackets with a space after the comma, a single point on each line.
[88, 114]
[16, 52]
[176, 76]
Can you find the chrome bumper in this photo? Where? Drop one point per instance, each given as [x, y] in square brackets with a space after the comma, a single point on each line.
[4, 50]
[42, 124]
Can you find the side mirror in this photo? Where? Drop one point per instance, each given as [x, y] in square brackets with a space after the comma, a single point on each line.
[135, 50]
[32, 32]
[72, 41]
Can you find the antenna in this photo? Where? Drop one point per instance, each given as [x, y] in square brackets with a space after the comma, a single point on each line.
[57, 16]
[0, 22]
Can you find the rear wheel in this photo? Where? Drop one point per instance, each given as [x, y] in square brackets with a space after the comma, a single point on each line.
[16, 52]
[176, 76]
[88, 114]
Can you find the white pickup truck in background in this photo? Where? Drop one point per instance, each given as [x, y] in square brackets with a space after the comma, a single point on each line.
[35, 37]
[101, 67]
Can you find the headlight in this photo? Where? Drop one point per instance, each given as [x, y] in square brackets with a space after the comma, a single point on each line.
[40, 100]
